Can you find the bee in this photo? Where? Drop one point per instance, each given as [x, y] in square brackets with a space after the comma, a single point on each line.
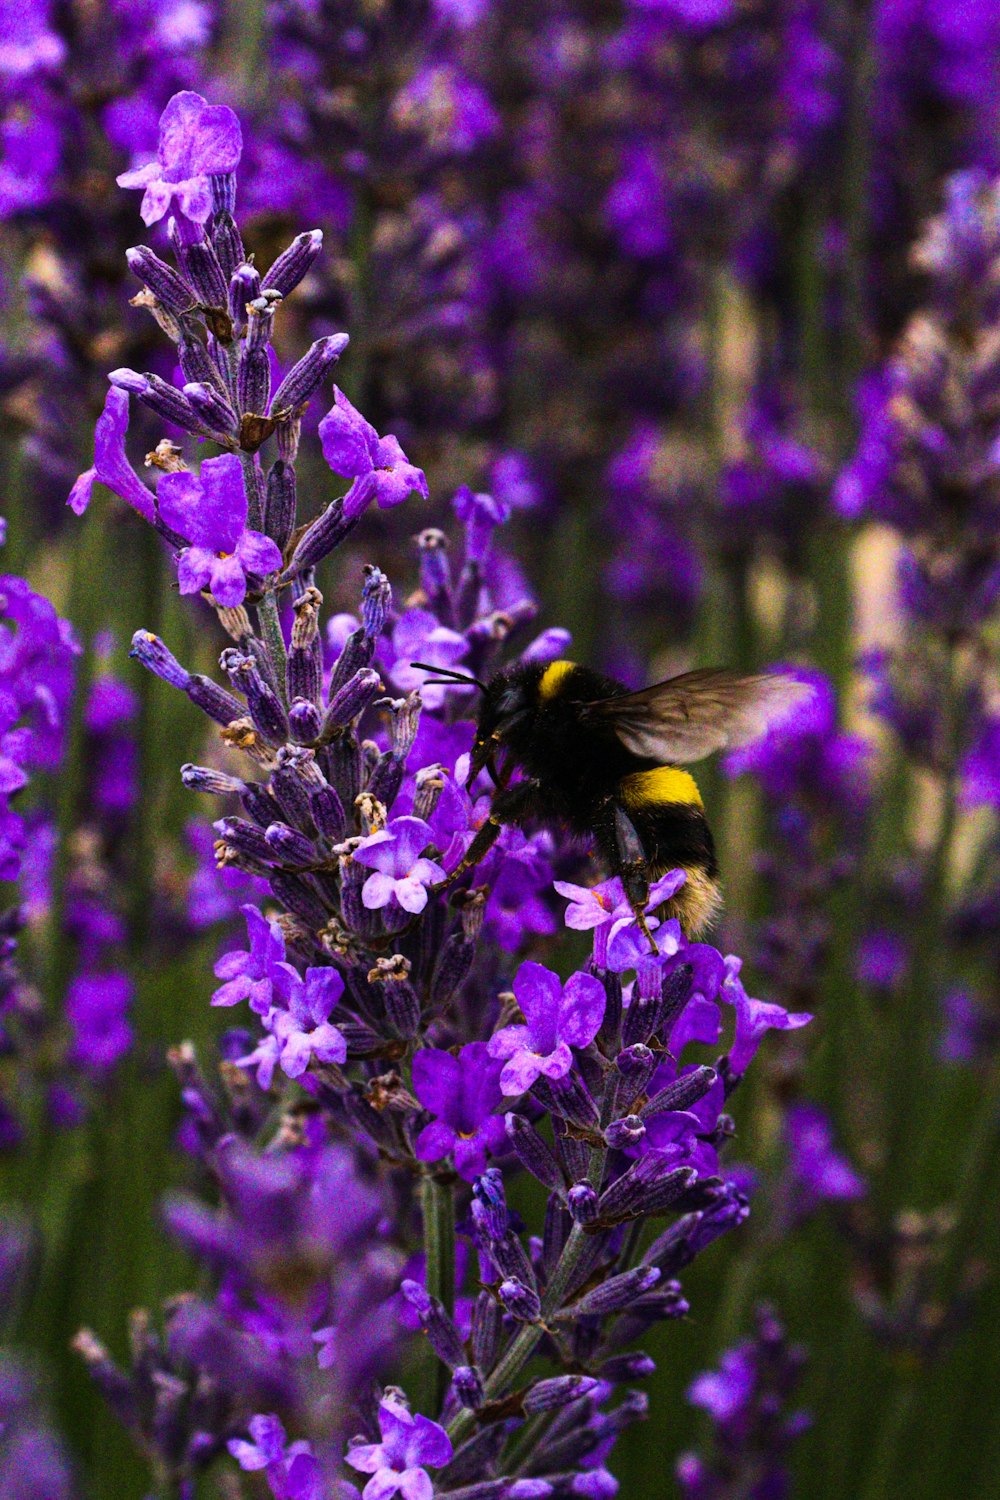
[609, 764]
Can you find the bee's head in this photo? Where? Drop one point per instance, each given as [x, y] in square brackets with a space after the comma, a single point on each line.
[506, 704]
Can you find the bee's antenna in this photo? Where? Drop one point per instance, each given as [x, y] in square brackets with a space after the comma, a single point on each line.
[447, 677]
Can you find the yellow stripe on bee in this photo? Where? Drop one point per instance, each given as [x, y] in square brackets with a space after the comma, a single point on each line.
[553, 677]
[662, 784]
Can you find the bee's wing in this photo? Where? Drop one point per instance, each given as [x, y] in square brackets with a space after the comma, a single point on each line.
[688, 717]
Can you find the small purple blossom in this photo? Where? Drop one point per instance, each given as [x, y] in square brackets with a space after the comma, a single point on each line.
[462, 1093]
[411, 1444]
[378, 466]
[820, 1172]
[419, 636]
[210, 511]
[197, 141]
[604, 909]
[300, 1029]
[558, 1017]
[251, 974]
[291, 1468]
[753, 1018]
[97, 1007]
[400, 873]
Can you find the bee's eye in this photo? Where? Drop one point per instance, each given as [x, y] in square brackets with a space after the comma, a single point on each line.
[511, 701]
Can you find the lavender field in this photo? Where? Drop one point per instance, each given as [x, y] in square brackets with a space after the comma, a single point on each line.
[378, 1116]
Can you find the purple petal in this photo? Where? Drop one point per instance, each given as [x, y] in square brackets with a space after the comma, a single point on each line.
[258, 553]
[229, 582]
[377, 891]
[194, 569]
[348, 440]
[582, 1009]
[110, 461]
[538, 992]
[437, 1080]
[411, 895]
[82, 491]
[519, 1073]
[434, 1141]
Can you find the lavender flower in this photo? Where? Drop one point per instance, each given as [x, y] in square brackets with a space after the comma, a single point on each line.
[398, 1464]
[210, 511]
[558, 1017]
[401, 874]
[198, 141]
[378, 466]
[462, 1093]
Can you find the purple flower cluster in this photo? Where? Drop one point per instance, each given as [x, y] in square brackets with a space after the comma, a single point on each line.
[385, 1010]
[747, 1399]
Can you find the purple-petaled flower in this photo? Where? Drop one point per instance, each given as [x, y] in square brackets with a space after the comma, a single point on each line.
[557, 1018]
[301, 1029]
[97, 1006]
[111, 466]
[724, 1392]
[419, 636]
[198, 141]
[400, 874]
[291, 1468]
[410, 1446]
[819, 1172]
[210, 511]
[753, 1018]
[251, 975]
[379, 467]
[604, 909]
[462, 1093]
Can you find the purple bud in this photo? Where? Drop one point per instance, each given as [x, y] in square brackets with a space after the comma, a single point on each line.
[614, 1295]
[390, 979]
[259, 805]
[532, 1152]
[582, 1201]
[260, 321]
[162, 280]
[486, 1326]
[265, 706]
[291, 793]
[244, 288]
[404, 721]
[226, 239]
[215, 783]
[625, 1132]
[634, 1067]
[303, 721]
[200, 265]
[454, 964]
[350, 702]
[292, 264]
[213, 700]
[244, 838]
[549, 1395]
[150, 652]
[213, 409]
[376, 601]
[435, 573]
[280, 503]
[682, 1093]
[489, 1205]
[294, 892]
[328, 813]
[467, 1383]
[253, 380]
[520, 1301]
[197, 364]
[165, 400]
[321, 538]
[440, 1329]
[302, 379]
[290, 846]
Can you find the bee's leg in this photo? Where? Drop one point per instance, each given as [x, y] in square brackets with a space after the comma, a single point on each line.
[631, 867]
[509, 805]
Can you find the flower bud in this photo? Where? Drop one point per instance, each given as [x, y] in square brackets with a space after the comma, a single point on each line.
[150, 652]
[303, 721]
[520, 1301]
[213, 409]
[164, 399]
[350, 702]
[328, 814]
[625, 1132]
[582, 1201]
[613, 1295]
[682, 1093]
[296, 389]
[163, 281]
[244, 288]
[290, 846]
[532, 1152]
[467, 1383]
[215, 783]
[280, 503]
[321, 538]
[294, 263]
[560, 1390]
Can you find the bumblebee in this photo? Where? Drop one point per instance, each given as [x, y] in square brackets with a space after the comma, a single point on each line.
[608, 763]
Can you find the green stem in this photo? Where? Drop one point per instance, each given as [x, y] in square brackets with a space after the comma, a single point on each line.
[525, 1343]
[438, 1206]
[879, 1486]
